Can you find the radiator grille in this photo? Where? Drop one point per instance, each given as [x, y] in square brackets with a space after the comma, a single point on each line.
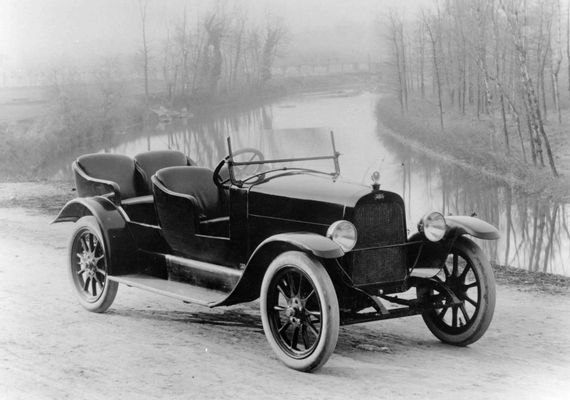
[378, 223]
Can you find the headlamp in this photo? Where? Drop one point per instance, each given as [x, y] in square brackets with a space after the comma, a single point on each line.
[433, 226]
[343, 233]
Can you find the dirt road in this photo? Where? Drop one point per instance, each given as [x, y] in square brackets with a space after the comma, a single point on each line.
[149, 346]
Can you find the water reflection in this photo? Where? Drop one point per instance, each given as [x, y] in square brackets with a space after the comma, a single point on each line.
[534, 231]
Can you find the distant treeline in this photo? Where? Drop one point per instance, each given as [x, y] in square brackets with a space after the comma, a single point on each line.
[221, 53]
[498, 60]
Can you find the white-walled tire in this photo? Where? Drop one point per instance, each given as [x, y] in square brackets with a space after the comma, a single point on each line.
[88, 267]
[299, 310]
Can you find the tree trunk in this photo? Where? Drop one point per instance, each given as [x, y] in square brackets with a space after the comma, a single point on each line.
[437, 77]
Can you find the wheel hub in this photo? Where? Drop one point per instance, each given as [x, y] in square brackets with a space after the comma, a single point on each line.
[87, 263]
[294, 311]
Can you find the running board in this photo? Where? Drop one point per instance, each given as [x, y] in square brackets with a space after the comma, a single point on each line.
[203, 274]
[181, 291]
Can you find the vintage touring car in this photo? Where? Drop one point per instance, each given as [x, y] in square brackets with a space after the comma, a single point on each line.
[318, 252]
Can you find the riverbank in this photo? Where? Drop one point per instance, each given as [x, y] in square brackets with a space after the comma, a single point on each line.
[48, 197]
[36, 127]
[466, 143]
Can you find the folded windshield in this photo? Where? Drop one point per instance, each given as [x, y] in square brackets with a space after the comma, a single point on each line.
[271, 151]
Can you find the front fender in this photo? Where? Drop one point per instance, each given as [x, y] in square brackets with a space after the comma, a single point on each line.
[425, 254]
[247, 288]
[320, 246]
[118, 241]
[458, 225]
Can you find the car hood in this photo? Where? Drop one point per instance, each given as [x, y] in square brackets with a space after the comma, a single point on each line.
[304, 197]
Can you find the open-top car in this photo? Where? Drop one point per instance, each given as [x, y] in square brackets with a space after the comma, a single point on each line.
[318, 252]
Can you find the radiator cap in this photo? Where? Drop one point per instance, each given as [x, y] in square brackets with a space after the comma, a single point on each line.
[375, 180]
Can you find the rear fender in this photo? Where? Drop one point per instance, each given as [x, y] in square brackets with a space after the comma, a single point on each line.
[248, 287]
[119, 243]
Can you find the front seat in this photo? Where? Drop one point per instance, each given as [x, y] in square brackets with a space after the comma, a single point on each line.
[149, 162]
[187, 203]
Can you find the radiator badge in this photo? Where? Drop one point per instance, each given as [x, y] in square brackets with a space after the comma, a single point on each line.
[379, 196]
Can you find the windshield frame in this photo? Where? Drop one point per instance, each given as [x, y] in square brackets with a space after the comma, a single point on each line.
[239, 182]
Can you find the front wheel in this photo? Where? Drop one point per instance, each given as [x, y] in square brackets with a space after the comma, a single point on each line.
[468, 275]
[88, 267]
[299, 310]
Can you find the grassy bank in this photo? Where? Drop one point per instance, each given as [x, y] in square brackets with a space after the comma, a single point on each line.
[467, 143]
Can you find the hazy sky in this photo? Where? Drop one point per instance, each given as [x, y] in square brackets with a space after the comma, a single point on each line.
[43, 32]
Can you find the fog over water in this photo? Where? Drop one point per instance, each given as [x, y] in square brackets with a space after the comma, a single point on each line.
[51, 33]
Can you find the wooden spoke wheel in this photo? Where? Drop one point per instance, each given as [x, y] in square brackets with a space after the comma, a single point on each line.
[88, 267]
[299, 310]
[468, 275]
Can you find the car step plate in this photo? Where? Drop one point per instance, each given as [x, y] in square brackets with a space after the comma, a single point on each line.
[182, 291]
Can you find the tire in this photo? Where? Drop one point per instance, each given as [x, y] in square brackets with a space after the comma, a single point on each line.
[468, 274]
[88, 266]
[299, 310]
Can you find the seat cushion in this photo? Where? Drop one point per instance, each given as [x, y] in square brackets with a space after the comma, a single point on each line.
[151, 161]
[111, 167]
[196, 182]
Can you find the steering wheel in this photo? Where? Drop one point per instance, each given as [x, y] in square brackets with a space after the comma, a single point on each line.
[222, 177]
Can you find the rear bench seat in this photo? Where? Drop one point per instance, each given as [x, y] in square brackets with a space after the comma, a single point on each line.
[124, 180]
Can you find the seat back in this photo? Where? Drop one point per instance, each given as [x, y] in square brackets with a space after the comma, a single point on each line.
[196, 182]
[117, 168]
[151, 161]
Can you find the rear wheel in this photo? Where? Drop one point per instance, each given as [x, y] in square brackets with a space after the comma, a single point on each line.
[299, 310]
[468, 275]
[88, 267]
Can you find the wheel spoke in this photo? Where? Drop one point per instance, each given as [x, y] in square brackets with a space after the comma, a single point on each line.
[442, 313]
[290, 283]
[99, 281]
[470, 285]
[454, 317]
[279, 308]
[83, 244]
[454, 272]
[81, 271]
[314, 314]
[300, 285]
[295, 340]
[470, 300]
[464, 273]
[88, 242]
[309, 295]
[86, 284]
[305, 336]
[464, 312]
[94, 287]
[282, 291]
[284, 327]
[312, 328]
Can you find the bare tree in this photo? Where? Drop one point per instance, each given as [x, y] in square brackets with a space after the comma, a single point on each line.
[145, 50]
[556, 55]
[433, 40]
[274, 34]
